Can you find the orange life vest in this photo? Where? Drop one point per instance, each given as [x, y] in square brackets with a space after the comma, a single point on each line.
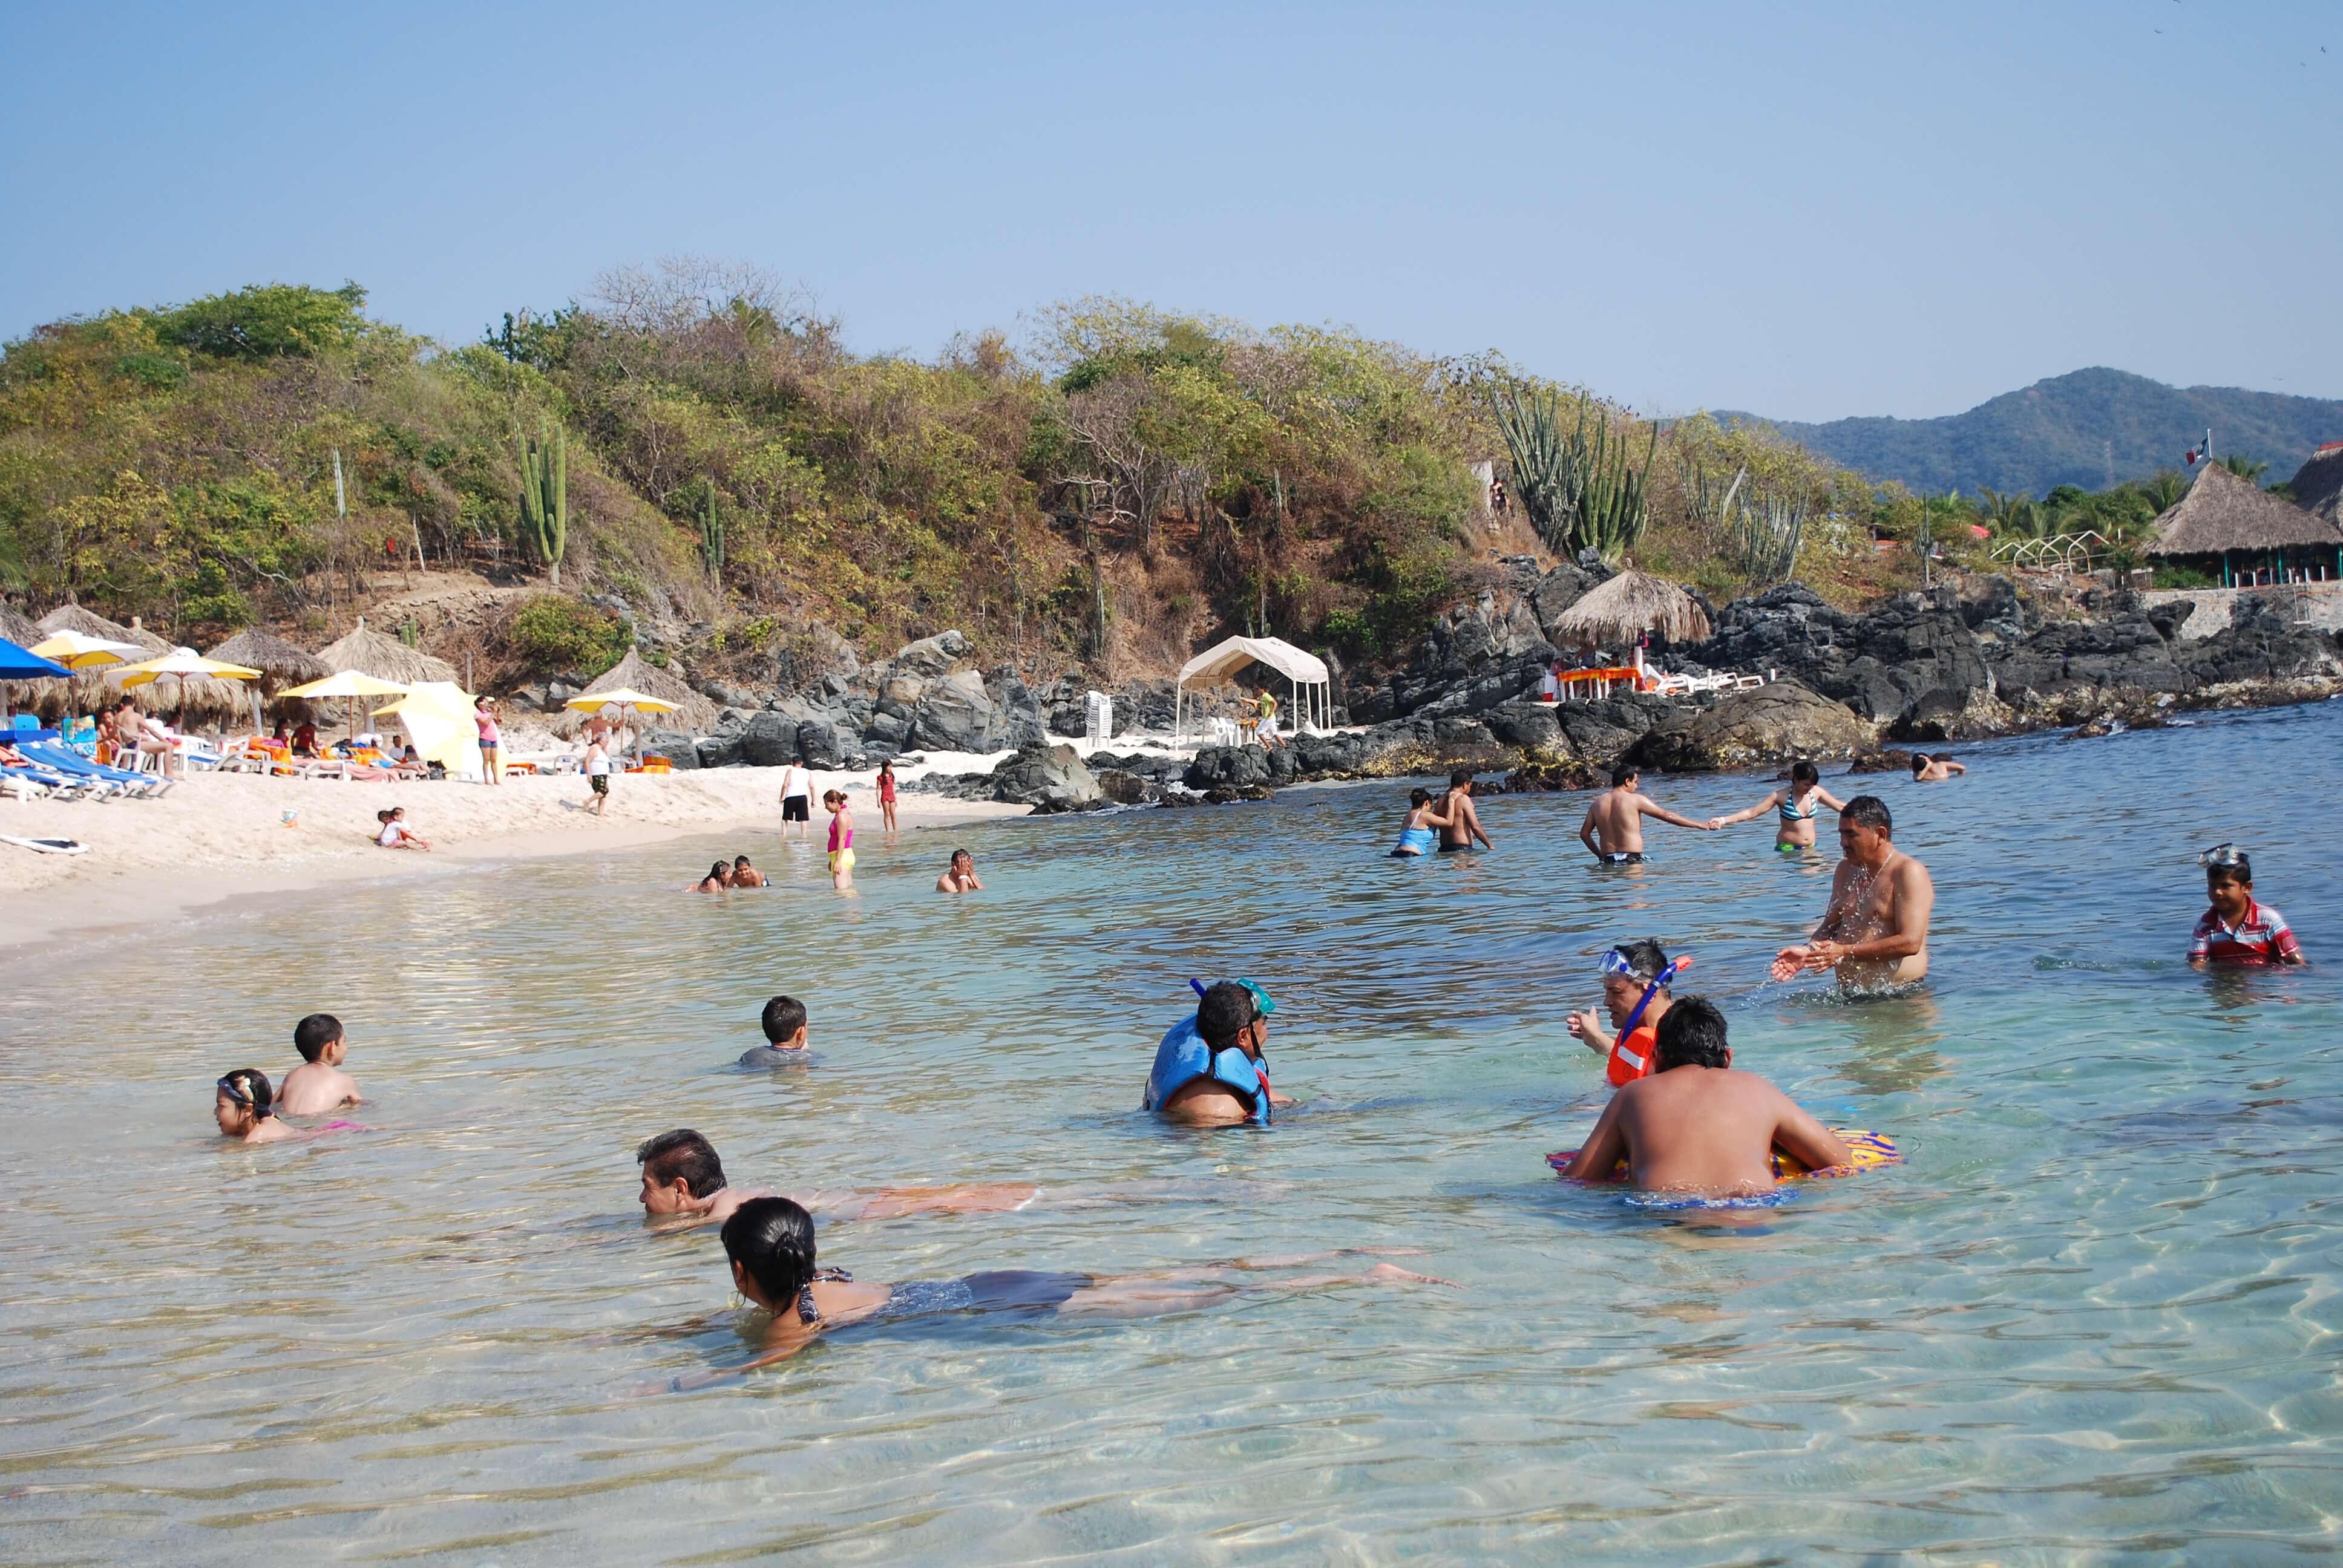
[1632, 1053]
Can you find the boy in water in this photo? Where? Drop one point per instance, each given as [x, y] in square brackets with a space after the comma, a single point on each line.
[1630, 970]
[785, 1036]
[1460, 824]
[960, 877]
[2238, 929]
[1695, 1125]
[318, 1084]
[1613, 829]
[683, 1180]
[745, 874]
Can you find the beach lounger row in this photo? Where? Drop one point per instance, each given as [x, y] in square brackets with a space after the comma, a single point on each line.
[54, 769]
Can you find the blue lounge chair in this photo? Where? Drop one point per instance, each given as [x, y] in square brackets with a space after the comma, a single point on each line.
[55, 756]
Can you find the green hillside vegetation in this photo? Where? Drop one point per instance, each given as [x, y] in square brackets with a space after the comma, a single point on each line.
[1118, 486]
[2090, 429]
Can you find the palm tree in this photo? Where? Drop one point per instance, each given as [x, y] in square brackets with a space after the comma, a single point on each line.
[2000, 511]
[2164, 489]
[2246, 468]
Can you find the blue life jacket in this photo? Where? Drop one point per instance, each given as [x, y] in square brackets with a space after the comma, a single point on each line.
[1183, 1058]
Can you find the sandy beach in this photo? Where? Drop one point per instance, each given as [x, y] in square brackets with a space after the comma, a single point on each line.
[221, 835]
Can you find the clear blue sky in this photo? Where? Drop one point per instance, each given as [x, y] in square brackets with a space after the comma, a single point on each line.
[1805, 210]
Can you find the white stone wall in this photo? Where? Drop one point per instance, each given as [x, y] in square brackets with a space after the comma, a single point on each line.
[2316, 604]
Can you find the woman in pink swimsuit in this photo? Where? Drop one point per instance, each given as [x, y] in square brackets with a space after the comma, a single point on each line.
[841, 840]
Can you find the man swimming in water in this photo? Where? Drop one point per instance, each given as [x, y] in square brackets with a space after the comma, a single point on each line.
[960, 875]
[1613, 829]
[1875, 930]
[1230, 1015]
[683, 1181]
[1461, 824]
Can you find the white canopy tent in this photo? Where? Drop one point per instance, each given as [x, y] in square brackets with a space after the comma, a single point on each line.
[1312, 706]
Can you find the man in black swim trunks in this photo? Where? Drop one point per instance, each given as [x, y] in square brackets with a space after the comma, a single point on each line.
[1613, 829]
[1464, 822]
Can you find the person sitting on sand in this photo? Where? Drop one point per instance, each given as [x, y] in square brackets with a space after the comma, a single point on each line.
[1459, 822]
[1795, 806]
[745, 874]
[318, 1084]
[395, 834]
[768, 1244]
[784, 1021]
[2238, 929]
[959, 876]
[1415, 834]
[1613, 829]
[1695, 1125]
[245, 1110]
[1927, 769]
[1634, 976]
[1875, 930]
[841, 838]
[718, 877]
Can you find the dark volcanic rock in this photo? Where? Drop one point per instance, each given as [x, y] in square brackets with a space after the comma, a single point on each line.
[681, 751]
[1047, 778]
[954, 714]
[770, 740]
[1546, 778]
[1752, 728]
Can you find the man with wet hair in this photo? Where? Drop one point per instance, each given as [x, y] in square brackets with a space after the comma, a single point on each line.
[1228, 1016]
[1874, 933]
[960, 875]
[1613, 829]
[683, 1178]
[784, 1022]
[1695, 1125]
[683, 1181]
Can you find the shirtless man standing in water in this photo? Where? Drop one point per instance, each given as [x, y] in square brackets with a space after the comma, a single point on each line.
[1875, 931]
[1464, 823]
[1613, 829]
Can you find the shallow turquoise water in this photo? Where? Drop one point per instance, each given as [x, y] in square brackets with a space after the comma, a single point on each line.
[2095, 1311]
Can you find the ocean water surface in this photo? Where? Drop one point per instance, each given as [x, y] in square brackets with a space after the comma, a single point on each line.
[2095, 1312]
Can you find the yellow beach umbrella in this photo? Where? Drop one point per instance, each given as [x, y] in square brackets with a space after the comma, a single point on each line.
[625, 697]
[348, 684]
[79, 650]
[182, 665]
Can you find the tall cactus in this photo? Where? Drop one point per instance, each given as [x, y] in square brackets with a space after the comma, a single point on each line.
[1580, 494]
[545, 496]
[711, 535]
[1769, 534]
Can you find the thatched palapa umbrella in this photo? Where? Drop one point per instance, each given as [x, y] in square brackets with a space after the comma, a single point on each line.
[279, 662]
[2235, 521]
[18, 629]
[1619, 612]
[386, 659]
[693, 712]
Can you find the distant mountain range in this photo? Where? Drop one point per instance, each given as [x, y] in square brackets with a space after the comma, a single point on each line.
[2092, 428]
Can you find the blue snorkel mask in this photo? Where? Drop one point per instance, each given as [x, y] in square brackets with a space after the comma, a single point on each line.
[1615, 962]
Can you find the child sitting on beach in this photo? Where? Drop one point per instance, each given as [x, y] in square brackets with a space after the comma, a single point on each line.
[1695, 1125]
[318, 1084]
[785, 1036]
[1632, 971]
[745, 874]
[2238, 929]
[245, 1108]
[395, 834]
[841, 838]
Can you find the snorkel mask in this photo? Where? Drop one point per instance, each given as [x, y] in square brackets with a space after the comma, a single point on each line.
[1616, 963]
[2223, 858]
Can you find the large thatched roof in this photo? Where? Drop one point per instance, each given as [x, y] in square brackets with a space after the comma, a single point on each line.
[2223, 512]
[385, 659]
[1628, 606]
[2317, 485]
[279, 662]
[694, 713]
[89, 623]
[18, 629]
[89, 688]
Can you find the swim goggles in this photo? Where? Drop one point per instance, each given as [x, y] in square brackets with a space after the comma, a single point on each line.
[1263, 1004]
[2222, 855]
[229, 1086]
[1616, 963]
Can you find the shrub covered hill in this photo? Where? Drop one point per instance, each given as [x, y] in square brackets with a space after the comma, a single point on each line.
[694, 462]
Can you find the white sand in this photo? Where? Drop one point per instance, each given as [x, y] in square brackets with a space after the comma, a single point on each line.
[218, 836]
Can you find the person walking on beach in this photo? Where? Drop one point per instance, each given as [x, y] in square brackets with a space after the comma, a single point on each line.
[1613, 827]
[1875, 930]
[886, 794]
[483, 715]
[2237, 928]
[597, 773]
[841, 840]
[1795, 806]
[1695, 1125]
[1458, 822]
[796, 799]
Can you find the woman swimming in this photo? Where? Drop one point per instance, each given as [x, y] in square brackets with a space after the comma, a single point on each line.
[769, 1243]
[1795, 806]
[1415, 836]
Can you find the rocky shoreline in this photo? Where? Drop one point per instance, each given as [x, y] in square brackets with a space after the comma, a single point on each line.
[1951, 664]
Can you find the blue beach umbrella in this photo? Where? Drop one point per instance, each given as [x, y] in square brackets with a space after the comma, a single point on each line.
[19, 663]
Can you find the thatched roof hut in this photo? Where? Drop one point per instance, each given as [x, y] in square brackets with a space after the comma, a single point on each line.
[1622, 610]
[89, 623]
[2317, 485]
[694, 713]
[88, 688]
[385, 659]
[18, 629]
[2223, 515]
[279, 662]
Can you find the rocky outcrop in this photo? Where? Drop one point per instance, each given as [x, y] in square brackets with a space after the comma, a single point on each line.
[1912, 662]
[1785, 720]
[954, 713]
[1047, 778]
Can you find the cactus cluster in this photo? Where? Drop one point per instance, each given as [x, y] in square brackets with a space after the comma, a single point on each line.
[545, 496]
[1582, 494]
[711, 535]
[1768, 535]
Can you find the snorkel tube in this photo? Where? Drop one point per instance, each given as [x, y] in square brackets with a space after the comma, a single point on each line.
[1658, 983]
[1184, 1057]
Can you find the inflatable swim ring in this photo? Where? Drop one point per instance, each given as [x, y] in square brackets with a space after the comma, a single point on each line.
[1871, 1150]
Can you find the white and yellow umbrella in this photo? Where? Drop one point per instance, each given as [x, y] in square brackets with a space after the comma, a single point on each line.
[624, 697]
[348, 684]
[79, 650]
[181, 663]
[437, 715]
